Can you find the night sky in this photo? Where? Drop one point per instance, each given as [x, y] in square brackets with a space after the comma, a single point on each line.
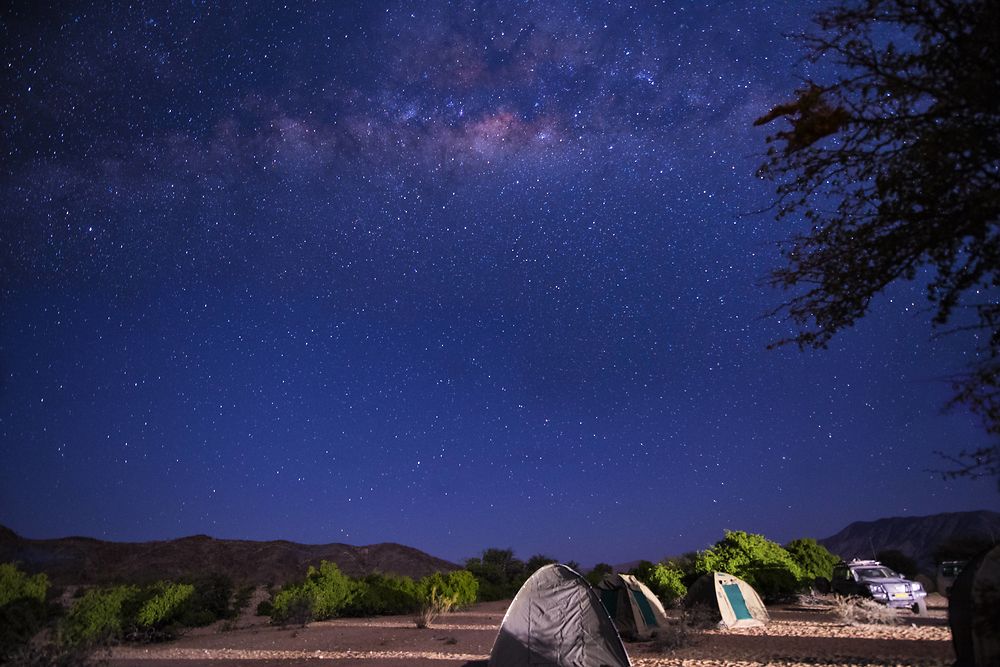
[451, 275]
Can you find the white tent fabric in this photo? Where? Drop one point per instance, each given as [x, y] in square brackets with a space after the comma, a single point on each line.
[736, 602]
[557, 620]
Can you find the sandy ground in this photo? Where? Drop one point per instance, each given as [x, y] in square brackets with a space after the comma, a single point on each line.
[798, 635]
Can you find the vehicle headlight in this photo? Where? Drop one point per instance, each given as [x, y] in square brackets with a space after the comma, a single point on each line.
[916, 586]
[876, 590]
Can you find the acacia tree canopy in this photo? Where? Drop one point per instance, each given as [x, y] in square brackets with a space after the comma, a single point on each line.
[895, 167]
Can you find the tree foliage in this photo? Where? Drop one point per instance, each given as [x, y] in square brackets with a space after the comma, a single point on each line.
[896, 168]
[499, 573]
[763, 564]
[165, 602]
[666, 581]
[22, 607]
[597, 573]
[102, 614]
[899, 562]
[813, 558]
[325, 592]
[15, 584]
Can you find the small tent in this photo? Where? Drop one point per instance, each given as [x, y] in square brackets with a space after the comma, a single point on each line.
[736, 602]
[557, 619]
[635, 610]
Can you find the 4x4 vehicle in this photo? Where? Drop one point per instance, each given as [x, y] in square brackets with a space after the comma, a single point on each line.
[872, 579]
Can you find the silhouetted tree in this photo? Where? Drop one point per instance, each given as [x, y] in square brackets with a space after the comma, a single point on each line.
[896, 168]
[597, 573]
[537, 561]
[498, 572]
[899, 562]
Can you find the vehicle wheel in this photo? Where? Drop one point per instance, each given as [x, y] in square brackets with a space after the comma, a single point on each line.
[920, 607]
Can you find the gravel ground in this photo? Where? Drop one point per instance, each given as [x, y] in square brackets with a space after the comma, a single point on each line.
[806, 636]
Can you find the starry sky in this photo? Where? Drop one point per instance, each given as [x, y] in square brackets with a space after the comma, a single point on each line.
[455, 275]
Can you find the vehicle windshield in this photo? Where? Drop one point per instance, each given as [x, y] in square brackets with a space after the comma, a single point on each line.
[875, 572]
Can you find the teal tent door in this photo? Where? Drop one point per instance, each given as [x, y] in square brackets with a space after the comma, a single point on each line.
[735, 596]
[645, 609]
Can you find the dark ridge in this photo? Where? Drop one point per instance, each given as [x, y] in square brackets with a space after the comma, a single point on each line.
[84, 560]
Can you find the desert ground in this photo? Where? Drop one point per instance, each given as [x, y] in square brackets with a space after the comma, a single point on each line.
[806, 634]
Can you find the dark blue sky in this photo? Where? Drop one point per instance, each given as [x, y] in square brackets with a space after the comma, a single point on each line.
[452, 275]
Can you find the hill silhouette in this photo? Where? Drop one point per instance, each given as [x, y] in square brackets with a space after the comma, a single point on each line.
[916, 536]
[85, 560]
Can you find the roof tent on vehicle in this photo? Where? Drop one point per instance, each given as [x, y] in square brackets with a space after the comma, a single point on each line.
[635, 610]
[556, 619]
[735, 601]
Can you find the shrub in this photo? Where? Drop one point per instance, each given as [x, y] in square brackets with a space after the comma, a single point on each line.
[16, 585]
[435, 603]
[463, 585]
[858, 610]
[22, 607]
[597, 573]
[378, 594]
[666, 584]
[325, 592]
[813, 559]
[209, 602]
[499, 574]
[763, 564]
[163, 605]
[52, 654]
[20, 620]
[102, 614]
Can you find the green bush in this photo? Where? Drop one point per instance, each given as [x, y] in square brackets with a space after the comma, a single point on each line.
[597, 573]
[164, 603]
[20, 620]
[813, 559]
[324, 594]
[102, 614]
[666, 583]
[763, 564]
[210, 601]
[383, 594]
[463, 585]
[22, 608]
[499, 574]
[16, 585]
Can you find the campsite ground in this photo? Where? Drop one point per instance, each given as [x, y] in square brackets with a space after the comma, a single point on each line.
[798, 635]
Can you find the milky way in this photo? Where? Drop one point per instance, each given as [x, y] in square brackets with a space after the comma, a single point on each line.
[456, 276]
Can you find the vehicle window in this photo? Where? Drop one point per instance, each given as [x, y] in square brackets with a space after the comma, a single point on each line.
[875, 572]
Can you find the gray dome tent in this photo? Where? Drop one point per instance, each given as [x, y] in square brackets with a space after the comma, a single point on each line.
[557, 620]
[735, 601]
[635, 610]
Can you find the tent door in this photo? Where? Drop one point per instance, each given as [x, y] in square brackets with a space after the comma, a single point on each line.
[647, 611]
[610, 600]
[739, 605]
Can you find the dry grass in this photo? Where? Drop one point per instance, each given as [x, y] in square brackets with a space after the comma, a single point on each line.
[863, 611]
[437, 604]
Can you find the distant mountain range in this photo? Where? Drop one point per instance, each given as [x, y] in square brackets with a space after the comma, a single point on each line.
[83, 560]
[915, 536]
